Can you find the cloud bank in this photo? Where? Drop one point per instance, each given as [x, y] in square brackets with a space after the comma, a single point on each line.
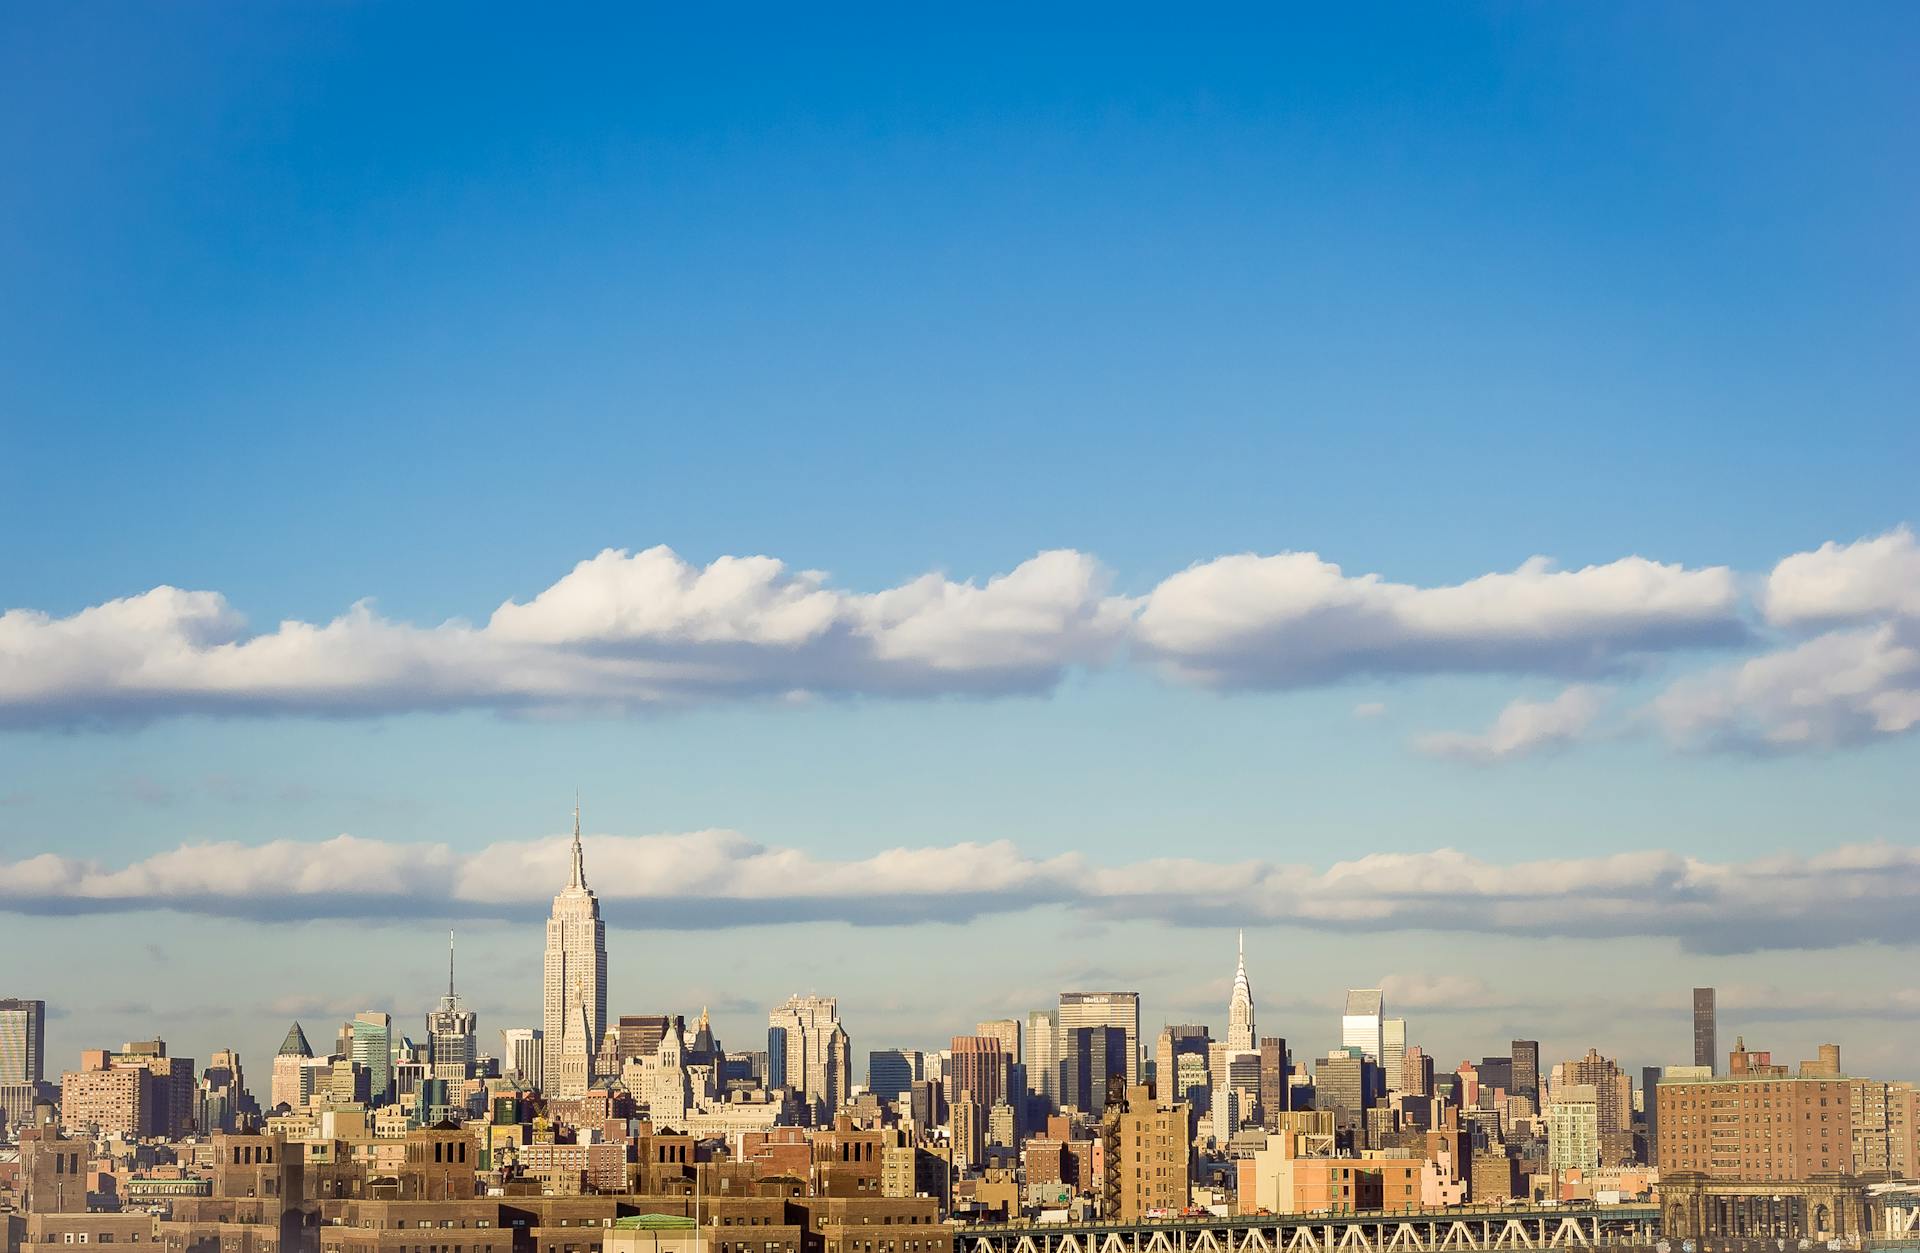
[621, 632]
[1863, 893]
[626, 632]
[1295, 620]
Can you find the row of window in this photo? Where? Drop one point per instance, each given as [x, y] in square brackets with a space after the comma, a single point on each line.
[80, 1237]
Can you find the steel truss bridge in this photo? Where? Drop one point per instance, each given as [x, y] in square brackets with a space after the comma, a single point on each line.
[1436, 1231]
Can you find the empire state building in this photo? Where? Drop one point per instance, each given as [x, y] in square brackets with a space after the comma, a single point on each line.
[576, 981]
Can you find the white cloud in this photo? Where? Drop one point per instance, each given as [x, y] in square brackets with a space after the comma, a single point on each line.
[1523, 728]
[1294, 619]
[619, 632]
[1853, 684]
[1867, 579]
[1848, 895]
[1048, 612]
[1369, 709]
[1844, 687]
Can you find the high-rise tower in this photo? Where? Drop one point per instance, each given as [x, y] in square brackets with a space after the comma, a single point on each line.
[808, 1051]
[1705, 1052]
[450, 1033]
[576, 976]
[1104, 1009]
[1361, 1026]
[1240, 1033]
[23, 1040]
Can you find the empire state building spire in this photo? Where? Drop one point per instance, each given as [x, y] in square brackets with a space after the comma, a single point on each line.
[579, 860]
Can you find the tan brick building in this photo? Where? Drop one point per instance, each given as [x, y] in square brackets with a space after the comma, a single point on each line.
[1767, 1127]
[1148, 1156]
[108, 1100]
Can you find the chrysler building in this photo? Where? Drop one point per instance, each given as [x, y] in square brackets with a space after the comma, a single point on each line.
[1240, 1034]
[576, 978]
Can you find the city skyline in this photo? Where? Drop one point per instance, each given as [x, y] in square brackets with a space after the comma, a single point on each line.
[1312, 1027]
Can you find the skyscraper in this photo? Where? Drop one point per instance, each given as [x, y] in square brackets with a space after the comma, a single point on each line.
[1240, 1033]
[891, 1072]
[1183, 1065]
[1043, 1056]
[292, 1077]
[1360, 1026]
[222, 1102]
[1650, 1106]
[576, 981]
[980, 1069]
[1103, 1009]
[639, 1035]
[1416, 1072]
[1393, 1046]
[1345, 1079]
[1526, 1070]
[450, 1032]
[1274, 1070]
[1088, 1060]
[1613, 1096]
[23, 1041]
[1705, 1050]
[372, 1050]
[1005, 1030]
[1573, 1128]
[808, 1051]
[520, 1055]
[172, 1108]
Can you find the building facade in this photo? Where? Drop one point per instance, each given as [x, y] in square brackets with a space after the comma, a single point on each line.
[1769, 1127]
[1147, 1156]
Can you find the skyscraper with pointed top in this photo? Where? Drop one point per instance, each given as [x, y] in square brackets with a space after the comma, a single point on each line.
[576, 980]
[1241, 1037]
[450, 1033]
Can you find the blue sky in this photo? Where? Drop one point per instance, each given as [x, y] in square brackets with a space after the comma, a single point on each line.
[423, 305]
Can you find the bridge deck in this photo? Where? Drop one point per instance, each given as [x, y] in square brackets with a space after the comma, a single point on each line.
[1460, 1230]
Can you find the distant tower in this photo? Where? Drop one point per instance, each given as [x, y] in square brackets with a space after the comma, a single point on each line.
[1240, 1033]
[1361, 1026]
[816, 1058]
[23, 1040]
[576, 975]
[1705, 1050]
[450, 1033]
